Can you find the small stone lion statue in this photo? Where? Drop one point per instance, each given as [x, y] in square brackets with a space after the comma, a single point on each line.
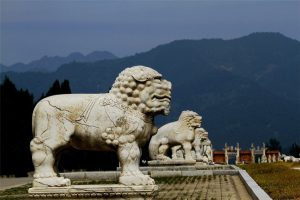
[121, 121]
[175, 135]
[202, 147]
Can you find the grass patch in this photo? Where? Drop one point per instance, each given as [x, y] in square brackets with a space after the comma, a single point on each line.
[16, 193]
[17, 190]
[279, 180]
[162, 180]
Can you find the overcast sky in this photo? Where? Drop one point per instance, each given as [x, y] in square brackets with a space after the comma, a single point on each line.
[32, 29]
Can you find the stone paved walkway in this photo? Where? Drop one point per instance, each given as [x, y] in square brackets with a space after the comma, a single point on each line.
[297, 168]
[223, 187]
[220, 187]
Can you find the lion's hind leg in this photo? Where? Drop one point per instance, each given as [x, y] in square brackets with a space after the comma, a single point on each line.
[43, 158]
[48, 131]
[163, 149]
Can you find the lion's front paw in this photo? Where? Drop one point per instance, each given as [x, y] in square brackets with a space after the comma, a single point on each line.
[162, 157]
[136, 180]
[190, 159]
[51, 182]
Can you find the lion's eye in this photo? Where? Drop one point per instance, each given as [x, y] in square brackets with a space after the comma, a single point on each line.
[157, 80]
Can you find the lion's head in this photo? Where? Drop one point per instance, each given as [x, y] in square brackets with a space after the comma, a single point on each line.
[143, 89]
[202, 134]
[190, 118]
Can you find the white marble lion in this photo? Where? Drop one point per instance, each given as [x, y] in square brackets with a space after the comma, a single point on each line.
[175, 135]
[121, 121]
[203, 147]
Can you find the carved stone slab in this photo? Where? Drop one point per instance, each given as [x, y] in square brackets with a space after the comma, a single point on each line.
[113, 191]
[171, 162]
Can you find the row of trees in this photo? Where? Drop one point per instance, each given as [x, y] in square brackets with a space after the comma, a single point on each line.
[16, 111]
[274, 144]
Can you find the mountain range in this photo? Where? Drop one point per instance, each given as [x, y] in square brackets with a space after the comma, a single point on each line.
[246, 89]
[50, 64]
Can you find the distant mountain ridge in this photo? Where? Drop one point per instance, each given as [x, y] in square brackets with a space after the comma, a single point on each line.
[260, 57]
[246, 89]
[50, 64]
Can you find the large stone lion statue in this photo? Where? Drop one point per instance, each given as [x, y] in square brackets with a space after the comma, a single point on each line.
[121, 121]
[174, 135]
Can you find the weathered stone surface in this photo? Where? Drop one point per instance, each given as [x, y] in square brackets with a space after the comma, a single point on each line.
[165, 173]
[253, 188]
[175, 135]
[93, 175]
[185, 138]
[121, 121]
[168, 167]
[197, 173]
[116, 191]
[224, 187]
[171, 162]
[225, 172]
[202, 147]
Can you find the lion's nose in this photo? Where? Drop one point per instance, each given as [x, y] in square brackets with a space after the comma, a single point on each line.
[167, 84]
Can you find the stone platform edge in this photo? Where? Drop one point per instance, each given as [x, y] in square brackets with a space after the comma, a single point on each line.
[171, 162]
[112, 191]
[256, 192]
[160, 171]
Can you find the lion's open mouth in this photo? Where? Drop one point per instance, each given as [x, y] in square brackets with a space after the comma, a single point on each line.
[161, 97]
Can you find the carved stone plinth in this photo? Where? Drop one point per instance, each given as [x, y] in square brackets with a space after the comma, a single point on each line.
[171, 162]
[113, 191]
[200, 164]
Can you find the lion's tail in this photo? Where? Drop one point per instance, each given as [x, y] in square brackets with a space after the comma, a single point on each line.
[153, 148]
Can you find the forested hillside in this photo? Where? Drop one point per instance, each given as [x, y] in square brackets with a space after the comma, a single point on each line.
[246, 89]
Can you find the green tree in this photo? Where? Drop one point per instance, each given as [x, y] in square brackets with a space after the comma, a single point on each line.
[65, 87]
[54, 89]
[295, 150]
[57, 88]
[273, 144]
[16, 134]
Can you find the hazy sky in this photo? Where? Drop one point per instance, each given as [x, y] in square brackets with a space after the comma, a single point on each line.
[32, 29]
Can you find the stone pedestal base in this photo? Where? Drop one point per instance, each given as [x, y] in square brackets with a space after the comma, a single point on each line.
[171, 162]
[200, 164]
[113, 191]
